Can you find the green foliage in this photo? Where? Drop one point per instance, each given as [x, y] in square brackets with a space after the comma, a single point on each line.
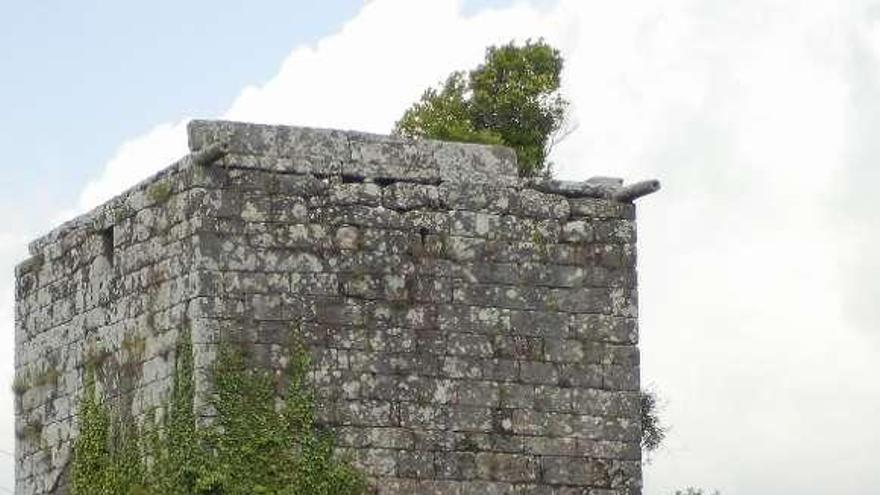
[262, 450]
[653, 432]
[252, 446]
[174, 446]
[696, 491]
[512, 99]
[445, 114]
[107, 454]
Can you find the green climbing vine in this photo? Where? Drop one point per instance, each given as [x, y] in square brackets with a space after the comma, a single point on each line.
[252, 446]
[107, 453]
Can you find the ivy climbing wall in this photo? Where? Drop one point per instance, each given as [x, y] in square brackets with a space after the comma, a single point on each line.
[470, 331]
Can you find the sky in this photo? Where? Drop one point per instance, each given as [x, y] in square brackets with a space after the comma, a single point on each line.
[759, 285]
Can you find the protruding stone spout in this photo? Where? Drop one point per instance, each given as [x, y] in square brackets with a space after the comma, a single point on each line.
[637, 190]
[210, 154]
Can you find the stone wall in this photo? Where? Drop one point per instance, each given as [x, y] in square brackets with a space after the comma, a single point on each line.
[470, 331]
[113, 287]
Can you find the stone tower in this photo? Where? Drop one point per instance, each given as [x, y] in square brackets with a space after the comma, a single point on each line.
[471, 331]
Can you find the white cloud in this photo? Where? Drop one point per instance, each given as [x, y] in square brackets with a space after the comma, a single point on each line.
[134, 161]
[364, 76]
[359, 78]
[760, 118]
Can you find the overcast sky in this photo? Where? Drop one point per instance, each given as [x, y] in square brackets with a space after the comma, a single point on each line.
[760, 286]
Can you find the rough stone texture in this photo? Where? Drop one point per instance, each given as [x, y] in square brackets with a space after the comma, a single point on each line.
[471, 332]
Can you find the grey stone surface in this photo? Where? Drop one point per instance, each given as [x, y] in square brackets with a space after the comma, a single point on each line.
[472, 332]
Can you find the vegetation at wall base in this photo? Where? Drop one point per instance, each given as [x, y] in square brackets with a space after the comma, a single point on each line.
[251, 447]
[696, 491]
[107, 455]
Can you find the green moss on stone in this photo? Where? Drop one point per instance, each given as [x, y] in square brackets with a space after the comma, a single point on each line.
[160, 192]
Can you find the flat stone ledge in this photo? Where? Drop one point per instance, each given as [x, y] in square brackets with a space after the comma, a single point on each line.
[357, 154]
